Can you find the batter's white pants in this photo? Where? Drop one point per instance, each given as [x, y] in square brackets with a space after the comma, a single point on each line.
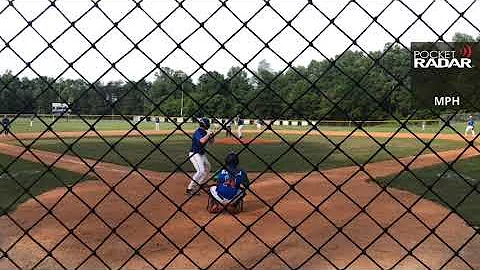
[202, 168]
[470, 128]
[157, 126]
[240, 127]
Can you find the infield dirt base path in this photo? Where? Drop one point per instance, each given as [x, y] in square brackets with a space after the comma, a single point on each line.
[116, 210]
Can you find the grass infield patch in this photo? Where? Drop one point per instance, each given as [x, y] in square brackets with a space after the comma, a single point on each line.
[448, 187]
[309, 153]
[35, 177]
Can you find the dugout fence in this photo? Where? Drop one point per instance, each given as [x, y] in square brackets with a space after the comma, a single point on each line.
[92, 235]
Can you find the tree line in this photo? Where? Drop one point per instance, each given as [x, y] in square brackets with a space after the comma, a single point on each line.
[355, 85]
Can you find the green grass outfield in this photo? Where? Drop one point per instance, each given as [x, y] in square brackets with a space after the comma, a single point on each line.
[21, 125]
[34, 176]
[314, 148]
[450, 189]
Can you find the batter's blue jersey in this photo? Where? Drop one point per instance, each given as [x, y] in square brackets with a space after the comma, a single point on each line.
[470, 122]
[197, 146]
[229, 181]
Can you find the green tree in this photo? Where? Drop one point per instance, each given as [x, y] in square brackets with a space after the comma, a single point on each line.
[166, 91]
[240, 88]
[462, 37]
[266, 103]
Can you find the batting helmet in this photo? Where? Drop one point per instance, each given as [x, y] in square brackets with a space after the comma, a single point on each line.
[231, 159]
[204, 122]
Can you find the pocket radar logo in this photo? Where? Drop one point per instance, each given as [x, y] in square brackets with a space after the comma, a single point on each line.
[443, 59]
[445, 74]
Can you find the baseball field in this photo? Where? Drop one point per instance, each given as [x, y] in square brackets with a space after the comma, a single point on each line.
[105, 123]
[317, 198]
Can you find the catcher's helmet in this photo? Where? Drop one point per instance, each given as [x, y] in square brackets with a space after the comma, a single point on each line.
[204, 122]
[231, 159]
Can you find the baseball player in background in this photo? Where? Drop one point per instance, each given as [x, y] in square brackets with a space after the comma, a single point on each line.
[228, 189]
[470, 126]
[216, 126]
[157, 123]
[198, 157]
[259, 124]
[6, 125]
[239, 126]
[228, 125]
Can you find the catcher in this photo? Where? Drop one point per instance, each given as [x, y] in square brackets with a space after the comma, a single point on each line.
[228, 193]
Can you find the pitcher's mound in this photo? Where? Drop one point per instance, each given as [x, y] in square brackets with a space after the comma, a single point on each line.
[231, 140]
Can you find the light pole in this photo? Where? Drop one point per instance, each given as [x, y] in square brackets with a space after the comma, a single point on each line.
[181, 106]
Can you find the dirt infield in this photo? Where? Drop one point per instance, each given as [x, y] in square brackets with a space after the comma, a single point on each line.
[231, 140]
[131, 226]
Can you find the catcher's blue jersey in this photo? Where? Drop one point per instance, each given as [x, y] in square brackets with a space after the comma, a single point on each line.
[228, 183]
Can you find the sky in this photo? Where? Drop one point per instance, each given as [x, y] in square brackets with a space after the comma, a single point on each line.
[180, 26]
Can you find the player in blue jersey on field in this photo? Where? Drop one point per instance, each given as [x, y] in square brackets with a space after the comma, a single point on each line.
[228, 191]
[470, 126]
[6, 125]
[198, 157]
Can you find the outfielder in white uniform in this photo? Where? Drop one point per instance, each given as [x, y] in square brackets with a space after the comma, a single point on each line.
[239, 127]
[259, 124]
[198, 156]
[470, 126]
[157, 123]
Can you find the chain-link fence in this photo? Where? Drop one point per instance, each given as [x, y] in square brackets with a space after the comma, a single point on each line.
[119, 138]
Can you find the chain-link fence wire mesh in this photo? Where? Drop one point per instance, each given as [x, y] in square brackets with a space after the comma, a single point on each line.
[52, 252]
